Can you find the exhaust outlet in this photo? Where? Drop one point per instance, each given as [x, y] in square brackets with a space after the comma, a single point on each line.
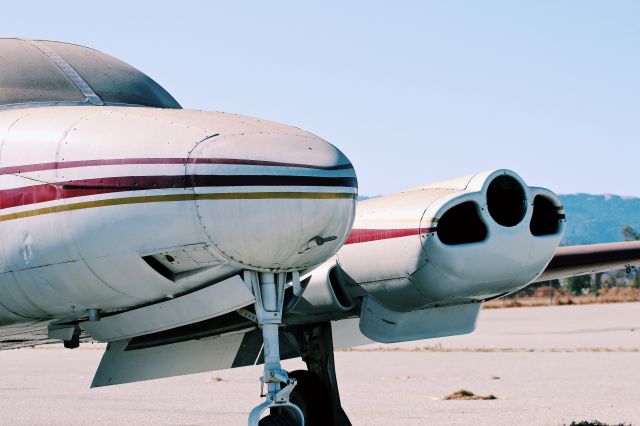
[506, 201]
[547, 217]
[461, 224]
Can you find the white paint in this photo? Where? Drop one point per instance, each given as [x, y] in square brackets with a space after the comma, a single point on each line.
[59, 265]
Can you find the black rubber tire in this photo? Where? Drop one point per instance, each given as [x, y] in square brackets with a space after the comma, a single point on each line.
[313, 398]
[278, 420]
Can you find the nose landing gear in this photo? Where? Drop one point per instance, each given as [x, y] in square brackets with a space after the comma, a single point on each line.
[301, 397]
[268, 289]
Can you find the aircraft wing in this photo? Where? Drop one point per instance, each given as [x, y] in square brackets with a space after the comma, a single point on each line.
[567, 262]
[588, 259]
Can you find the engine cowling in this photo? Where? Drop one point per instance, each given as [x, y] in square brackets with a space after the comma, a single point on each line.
[463, 240]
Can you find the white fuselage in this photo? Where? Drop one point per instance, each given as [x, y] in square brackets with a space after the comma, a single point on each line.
[114, 207]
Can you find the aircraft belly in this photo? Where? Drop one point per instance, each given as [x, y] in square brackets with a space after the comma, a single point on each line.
[67, 289]
[15, 302]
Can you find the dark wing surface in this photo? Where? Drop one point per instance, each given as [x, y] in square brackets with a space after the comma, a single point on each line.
[582, 260]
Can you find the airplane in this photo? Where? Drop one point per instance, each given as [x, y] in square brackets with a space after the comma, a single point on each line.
[194, 241]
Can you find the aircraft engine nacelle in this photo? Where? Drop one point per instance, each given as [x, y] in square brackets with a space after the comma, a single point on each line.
[298, 211]
[112, 207]
[454, 242]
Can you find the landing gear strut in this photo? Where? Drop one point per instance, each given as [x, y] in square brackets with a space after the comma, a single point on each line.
[268, 289]
[301, 398]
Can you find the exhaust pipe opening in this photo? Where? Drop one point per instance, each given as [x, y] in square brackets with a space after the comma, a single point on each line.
[461, 224]
[506, 201]
[545, 219]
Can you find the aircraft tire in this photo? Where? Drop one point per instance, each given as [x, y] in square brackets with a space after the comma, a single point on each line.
[277, 420]
[312, 397]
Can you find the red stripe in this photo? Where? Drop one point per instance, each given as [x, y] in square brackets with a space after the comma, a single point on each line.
[366, 235]
[130, 161]
[78, 188]
[43, 193]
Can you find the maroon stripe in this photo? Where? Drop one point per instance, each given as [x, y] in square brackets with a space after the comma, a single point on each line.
[79, 188]
[366, 235]
[26, 168]
[121, 161]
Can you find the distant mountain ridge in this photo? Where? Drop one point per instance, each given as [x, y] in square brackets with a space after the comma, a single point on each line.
[593, 219]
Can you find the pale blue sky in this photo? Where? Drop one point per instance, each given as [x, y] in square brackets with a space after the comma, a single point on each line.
[412, 92]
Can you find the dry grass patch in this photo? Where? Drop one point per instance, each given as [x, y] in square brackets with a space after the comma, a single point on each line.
[560, 297]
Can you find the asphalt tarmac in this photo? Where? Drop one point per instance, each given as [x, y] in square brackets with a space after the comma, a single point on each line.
[545, 366]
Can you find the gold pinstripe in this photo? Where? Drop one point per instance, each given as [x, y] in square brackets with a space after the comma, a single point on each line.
[176, 197]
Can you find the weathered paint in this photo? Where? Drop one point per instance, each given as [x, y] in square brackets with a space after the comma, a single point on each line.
[85, 192]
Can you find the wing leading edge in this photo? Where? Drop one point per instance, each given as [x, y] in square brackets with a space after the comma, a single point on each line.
[589, 259]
